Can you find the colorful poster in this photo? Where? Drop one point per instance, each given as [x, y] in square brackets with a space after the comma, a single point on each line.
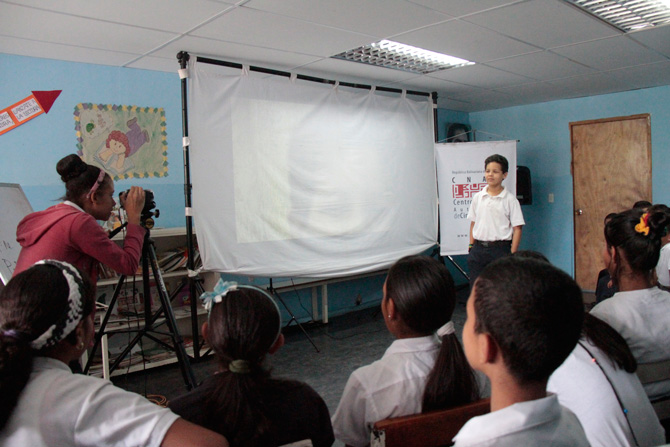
[125, 141]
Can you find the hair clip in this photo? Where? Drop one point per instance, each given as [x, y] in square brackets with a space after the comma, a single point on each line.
[643, 226]
[220, 290]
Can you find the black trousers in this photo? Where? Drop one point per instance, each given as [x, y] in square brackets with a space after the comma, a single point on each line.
[480, 256]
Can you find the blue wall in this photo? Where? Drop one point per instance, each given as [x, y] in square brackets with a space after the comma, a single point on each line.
[544, 134]
[30, 151]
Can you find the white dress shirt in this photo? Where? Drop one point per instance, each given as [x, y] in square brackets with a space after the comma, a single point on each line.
[542, 422]
[590, 389]
[58, 408]
[642, 317]
[390, 387]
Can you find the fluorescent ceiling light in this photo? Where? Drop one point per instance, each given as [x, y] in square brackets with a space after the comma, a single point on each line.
[628, 15]
[399, 56]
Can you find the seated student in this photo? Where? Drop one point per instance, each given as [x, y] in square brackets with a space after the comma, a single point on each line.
[605, 287]
[598, 383]
[420, 371]
[46, 320]
[524, 317]
[639, 311]
[241, 401]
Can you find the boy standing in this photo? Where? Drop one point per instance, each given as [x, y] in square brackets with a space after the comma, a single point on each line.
[524, 317]
[496, 219]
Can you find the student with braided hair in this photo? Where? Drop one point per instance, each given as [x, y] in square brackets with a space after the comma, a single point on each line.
[639, 311]
[242, 401]
[46, 321]
[424, 369]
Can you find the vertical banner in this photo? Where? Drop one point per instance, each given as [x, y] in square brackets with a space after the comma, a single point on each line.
[460, 175]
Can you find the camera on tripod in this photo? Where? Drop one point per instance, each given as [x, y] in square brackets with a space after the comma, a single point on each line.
[147, 214]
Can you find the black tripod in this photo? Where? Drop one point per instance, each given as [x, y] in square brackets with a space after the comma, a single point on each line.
[149, 329]
[274, 292]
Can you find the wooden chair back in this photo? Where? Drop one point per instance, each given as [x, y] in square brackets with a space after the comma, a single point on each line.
[656, 372]
[432, 429]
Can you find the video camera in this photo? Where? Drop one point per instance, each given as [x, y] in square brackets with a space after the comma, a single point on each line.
[148, 212]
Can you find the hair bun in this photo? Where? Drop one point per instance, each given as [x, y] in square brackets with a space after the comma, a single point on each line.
[658, 221]
[71, 166]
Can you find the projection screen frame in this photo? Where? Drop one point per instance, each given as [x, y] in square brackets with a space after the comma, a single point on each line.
[183, 58]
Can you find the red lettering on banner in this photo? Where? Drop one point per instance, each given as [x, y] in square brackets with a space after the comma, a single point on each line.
[467, 190]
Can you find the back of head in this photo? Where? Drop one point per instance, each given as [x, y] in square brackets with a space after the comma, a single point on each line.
[423, 292]
[642, 204]
[637, 236]
[533, 311]
[497, 158]
[78, 176]
[424, 295]
[242, 328]
[31, 303]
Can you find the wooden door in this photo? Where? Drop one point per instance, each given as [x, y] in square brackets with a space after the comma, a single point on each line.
[611, 168]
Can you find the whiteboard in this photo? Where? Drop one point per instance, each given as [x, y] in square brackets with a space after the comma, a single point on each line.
[15, 206]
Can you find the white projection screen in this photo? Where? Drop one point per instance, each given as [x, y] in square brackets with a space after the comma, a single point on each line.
[297, 178]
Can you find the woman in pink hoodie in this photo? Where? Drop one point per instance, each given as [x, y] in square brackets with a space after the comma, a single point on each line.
[69, 231]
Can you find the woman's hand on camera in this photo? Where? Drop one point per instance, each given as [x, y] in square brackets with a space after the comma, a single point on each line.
[133, 202]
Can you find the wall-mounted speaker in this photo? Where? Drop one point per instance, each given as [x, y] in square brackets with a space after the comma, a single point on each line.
[524, 190]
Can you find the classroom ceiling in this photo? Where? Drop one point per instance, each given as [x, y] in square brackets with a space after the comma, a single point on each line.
[526, 51]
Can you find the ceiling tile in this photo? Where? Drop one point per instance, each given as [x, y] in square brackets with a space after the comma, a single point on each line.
[465, 40]
[258, 28]
[542, 65]
[233, 52]
[77, 31]
[480, 76]
[47, 50]
[588, 85]
[657, 38]
[643, 76]
[608, 54]
[176, 16]
[543, 23]
[372, 17]
[459, 8]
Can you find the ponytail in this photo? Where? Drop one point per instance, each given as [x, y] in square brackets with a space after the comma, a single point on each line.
[244, 323]
[16, 363]
[451, 381]
[610, 342]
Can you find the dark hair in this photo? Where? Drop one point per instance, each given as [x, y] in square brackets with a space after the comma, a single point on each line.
[533, 311]
[31, 302]
[642, 204]
[610, 342]
[640, 250]
[497, 158]
[458, 132]
[530, 254]
[424, 295]
[243, 326]
[78, 177]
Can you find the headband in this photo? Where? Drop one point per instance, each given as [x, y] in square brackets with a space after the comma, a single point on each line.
[446, 329]
[97, 183]
[66, 323]
[222, 288]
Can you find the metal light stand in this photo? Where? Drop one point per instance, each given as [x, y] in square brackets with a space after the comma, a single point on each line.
[149, 259]
[436, 252]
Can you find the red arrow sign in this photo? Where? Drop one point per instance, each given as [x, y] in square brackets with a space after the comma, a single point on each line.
[26, 109]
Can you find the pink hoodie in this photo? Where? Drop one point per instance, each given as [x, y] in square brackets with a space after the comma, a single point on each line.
[68, 234]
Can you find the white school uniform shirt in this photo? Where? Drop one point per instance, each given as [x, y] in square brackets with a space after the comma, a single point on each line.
[663, 266]
[542, 422]
[390, 387]
[588, 391]
[495, 216]
[58, 408]
[642, 317]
